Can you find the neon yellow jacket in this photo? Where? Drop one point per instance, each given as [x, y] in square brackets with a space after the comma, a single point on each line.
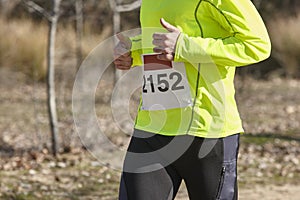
[217, 36]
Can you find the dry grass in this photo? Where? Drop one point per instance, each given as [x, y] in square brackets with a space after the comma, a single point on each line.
[286, 44]
[23, 46]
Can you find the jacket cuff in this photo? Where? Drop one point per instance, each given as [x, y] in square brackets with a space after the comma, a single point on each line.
[136, 50]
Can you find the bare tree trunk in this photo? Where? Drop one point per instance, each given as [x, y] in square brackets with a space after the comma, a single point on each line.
[51, 75]
[79, 28]
[51, 98]
[117, 29]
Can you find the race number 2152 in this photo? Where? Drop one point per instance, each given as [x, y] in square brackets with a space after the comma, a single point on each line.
[162, 82]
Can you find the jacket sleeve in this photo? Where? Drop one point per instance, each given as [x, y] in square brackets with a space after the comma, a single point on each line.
[248, 42]
[136, 50]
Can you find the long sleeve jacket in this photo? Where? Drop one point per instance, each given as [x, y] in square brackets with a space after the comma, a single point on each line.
[216, 37]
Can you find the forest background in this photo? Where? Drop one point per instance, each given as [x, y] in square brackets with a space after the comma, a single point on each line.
[267, 94]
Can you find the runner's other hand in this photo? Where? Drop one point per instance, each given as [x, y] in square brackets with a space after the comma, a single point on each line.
[122, 54]
[165, 43]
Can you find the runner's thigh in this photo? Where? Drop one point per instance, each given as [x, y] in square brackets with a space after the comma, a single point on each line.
[213, 176]
[158, 183]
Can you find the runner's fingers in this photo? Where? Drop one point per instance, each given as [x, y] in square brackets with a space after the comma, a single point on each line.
[169, 51]
[121, 51]
[123, 62]
[163, 44]
[166, 57]
[126, 56]
[163, 50]
[159, 36]
[124, 40]
[122, 57]
[122, 67]
[158, 50]
[169, 57]
[127, 60]
[158, 43]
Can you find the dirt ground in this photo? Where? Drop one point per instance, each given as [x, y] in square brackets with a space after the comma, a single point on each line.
[266, 192]
[268, 161]
[271, 192]
[79, 176]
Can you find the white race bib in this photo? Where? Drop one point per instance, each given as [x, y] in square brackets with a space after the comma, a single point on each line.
[165, 84]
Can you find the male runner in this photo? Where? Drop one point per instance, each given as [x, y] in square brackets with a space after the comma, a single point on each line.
[191, 102]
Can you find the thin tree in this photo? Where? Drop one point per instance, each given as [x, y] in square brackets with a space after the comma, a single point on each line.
[52, 18]
[79, 28]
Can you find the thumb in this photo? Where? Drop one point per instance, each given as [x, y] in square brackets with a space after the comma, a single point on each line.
[168, 26]
[125, 40]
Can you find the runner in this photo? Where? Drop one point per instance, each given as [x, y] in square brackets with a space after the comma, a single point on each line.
[188, 120]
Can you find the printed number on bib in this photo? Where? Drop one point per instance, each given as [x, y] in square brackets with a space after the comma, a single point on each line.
[164, 82]
[165, 85]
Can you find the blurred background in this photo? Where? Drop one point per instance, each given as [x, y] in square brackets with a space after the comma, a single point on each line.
[267, 94]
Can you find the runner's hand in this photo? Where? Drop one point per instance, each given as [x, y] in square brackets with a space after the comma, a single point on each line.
[165, 43]
[122, 54]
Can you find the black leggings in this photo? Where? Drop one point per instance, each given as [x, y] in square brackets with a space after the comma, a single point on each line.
[208, 167]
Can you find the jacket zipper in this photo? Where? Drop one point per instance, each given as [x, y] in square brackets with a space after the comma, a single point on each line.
[199, 67]
[221, 182]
